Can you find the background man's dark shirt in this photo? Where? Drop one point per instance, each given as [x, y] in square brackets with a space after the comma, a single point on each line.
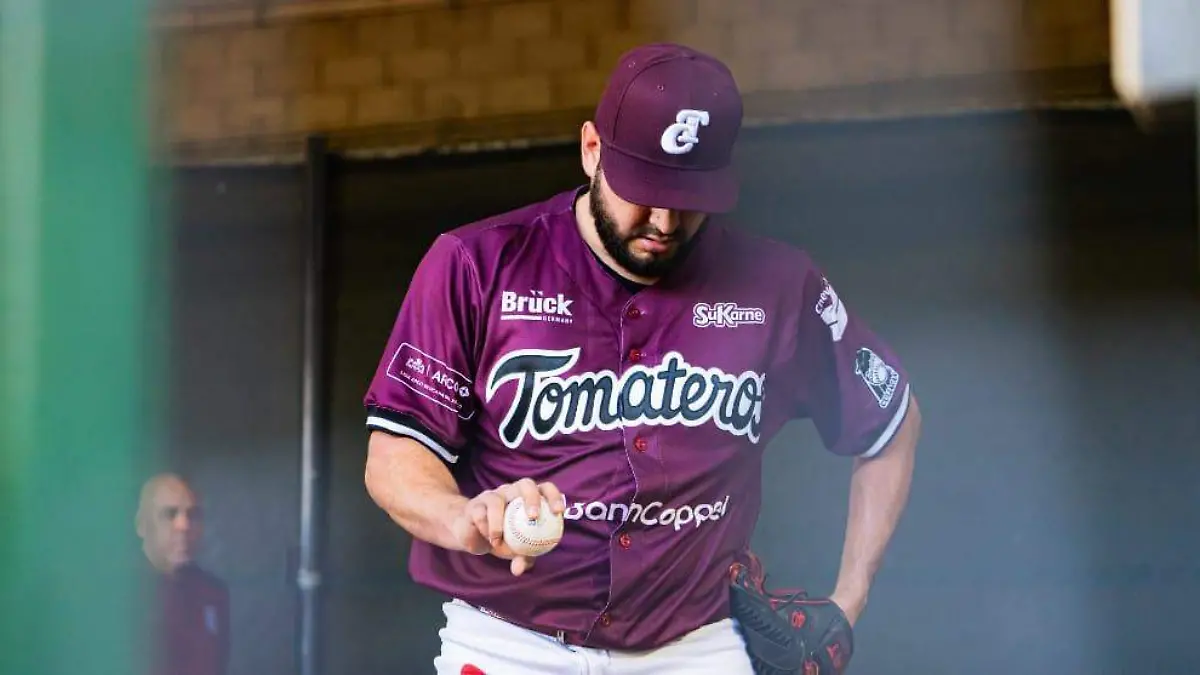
[189, 623]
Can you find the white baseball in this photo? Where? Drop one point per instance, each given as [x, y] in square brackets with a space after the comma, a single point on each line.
[531, 537]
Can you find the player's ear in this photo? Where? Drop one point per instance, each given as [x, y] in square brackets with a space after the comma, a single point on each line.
[589, 148]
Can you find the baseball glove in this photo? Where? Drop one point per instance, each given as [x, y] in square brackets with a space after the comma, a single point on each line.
[786, 632]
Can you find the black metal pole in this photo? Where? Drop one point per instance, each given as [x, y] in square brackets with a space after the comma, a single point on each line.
[314, 445]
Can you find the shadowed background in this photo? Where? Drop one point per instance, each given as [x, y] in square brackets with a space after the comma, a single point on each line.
[1037, 271]
[962, 169]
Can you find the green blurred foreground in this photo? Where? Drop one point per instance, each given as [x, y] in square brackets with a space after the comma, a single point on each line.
[79, 343]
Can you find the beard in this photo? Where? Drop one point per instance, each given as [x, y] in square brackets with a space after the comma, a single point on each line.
[620, 247]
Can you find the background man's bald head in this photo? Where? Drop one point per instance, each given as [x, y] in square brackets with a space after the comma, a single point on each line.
[169, 521]
[167, 483]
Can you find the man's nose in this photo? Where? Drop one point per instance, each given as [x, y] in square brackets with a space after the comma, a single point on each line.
[665, 221]
[182, 522]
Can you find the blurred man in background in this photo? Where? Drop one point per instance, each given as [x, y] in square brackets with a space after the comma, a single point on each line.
[189, 606]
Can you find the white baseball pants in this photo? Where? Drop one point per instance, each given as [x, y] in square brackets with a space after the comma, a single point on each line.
[496, 647]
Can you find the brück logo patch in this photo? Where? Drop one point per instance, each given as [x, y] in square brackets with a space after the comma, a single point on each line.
[432, 379]
[536, 306]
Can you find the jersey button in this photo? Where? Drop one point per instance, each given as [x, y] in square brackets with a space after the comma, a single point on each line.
[633, 313]
[605, 620]
[640, 444]
[625, 540]
[635, 355]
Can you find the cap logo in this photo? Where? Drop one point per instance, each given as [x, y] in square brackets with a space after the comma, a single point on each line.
[681, 136]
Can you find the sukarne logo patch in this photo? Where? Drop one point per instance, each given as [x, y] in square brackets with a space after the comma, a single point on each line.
[726, 315]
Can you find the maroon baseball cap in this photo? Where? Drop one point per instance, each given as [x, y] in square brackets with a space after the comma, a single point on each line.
[668, 120]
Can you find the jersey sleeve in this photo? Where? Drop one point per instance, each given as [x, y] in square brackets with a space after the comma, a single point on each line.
[851, 383]
[226, 640]
[423, 387]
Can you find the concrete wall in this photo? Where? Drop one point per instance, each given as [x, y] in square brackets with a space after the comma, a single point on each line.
[230, 84]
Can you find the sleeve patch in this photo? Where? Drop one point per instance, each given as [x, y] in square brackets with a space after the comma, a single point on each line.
[433, 379]
[831, 310]
[879, 377]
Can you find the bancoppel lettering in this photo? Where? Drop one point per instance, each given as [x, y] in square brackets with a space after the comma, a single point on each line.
[654, 514]
[535, 307]
[432, 379]
[726, 315]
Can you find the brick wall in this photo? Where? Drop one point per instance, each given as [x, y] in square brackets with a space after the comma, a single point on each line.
[491, 70]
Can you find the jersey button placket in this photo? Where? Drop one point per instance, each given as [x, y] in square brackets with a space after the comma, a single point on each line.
[640, 444]
[633, 313]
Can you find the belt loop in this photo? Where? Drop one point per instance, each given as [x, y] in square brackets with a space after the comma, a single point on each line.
[561, 636]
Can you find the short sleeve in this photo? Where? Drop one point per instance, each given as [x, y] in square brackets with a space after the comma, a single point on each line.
[851, 383]
[226, 643]
[423, 387]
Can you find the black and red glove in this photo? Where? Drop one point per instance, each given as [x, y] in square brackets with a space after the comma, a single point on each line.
[786, 632]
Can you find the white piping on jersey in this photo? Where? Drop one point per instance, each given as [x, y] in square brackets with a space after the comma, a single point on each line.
[890, 431]
[415, 434]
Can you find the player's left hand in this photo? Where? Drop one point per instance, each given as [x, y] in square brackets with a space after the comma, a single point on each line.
[787, 631]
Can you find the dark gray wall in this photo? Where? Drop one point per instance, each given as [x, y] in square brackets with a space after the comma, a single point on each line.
[1037, 272]
[238, 266]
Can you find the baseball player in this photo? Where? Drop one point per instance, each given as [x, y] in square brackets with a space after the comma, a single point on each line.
[625, 350]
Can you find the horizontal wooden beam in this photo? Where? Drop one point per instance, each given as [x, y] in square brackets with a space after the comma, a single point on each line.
[201, 14]
[1087, 87]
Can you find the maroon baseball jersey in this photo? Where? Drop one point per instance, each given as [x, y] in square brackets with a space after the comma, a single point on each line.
[517, 353]
[191, 623]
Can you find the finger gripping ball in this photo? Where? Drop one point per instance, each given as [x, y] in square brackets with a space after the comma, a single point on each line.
[531, 536]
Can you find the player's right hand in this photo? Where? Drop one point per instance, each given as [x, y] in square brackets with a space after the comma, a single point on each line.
[479, 527]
